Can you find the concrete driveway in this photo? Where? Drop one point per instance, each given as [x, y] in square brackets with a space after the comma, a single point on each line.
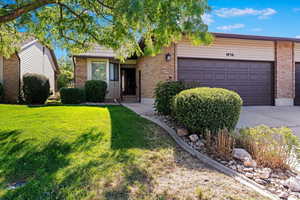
[271, 116]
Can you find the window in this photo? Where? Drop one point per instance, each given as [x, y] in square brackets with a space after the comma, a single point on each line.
[113, 72]
[98, 71]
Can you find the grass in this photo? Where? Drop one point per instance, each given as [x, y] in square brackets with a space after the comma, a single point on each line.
[89, 152]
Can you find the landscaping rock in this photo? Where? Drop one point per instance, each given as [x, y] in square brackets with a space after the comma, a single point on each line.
[250, 163]
[260, 181]
[199, 143]
[293, 198]
[182, 132]
[241, 154]
[293, 184]
[194, 137]
[283, 195]
[249, 175]
[248, 169]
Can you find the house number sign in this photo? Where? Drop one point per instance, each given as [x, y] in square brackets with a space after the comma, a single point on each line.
[229, 54]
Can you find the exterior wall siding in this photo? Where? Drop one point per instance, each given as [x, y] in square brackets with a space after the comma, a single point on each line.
[11, 79]
[36, 58]
[99, 51]
[227, 48]
[155, 69]
[284, 73]
[297, 52]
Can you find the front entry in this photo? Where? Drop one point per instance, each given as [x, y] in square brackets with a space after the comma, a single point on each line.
[128, 81]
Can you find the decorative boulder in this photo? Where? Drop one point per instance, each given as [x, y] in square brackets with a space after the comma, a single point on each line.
[293, 184]
[182, 132]
[241, 154]
[194, 138]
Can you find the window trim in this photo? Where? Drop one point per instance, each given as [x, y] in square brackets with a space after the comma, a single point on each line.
[117, 67]
[89, 68]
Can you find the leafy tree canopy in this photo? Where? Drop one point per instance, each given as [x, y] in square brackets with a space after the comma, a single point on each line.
[118, 24]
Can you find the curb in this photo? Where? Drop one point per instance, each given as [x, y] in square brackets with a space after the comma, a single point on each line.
[212, 163]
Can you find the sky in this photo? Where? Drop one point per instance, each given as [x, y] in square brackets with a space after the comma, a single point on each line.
[279, 18]
[255, 17]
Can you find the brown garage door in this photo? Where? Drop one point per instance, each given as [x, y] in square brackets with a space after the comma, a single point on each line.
[252, 80]
[297, 84]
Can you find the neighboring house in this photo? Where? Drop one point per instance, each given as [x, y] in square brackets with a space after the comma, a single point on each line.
[33, 57]
[263, 70]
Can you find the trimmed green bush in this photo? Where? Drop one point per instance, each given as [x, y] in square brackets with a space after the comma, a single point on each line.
[95, 90]
[164, 93]
[36, 88]
[207, 109]
[72, 95]
[1, 92]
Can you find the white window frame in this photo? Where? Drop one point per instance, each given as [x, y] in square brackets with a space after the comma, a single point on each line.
[89, 68]
[1, 69]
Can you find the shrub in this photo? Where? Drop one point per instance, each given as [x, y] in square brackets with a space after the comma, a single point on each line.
[1, 92]
[72, 95]
[221, 144]
[164, 92]
[36, 88]
[95, 90]
[271, 147]
[64, 79]
[207, 109]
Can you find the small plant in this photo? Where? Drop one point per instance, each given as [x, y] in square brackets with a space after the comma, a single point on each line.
[221, 144]
[164, 93]
[224, 144]
[201, 195]
[212, 109]
[1, 92]
[36, 88]
[72, 95]
[95, 90]
[270, 147]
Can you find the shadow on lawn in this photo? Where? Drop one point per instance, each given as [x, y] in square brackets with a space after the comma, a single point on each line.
[37, 164]
[41, 164]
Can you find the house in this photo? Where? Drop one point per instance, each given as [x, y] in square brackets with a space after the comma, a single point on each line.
[33, 57]
[263, 70]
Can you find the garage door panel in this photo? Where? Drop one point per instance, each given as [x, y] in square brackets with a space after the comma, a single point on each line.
[252, 80]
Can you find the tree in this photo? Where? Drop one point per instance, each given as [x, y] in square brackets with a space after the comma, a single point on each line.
[66, 73]
[118, 24]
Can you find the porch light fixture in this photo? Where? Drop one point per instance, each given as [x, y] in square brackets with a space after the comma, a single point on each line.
[168, 57]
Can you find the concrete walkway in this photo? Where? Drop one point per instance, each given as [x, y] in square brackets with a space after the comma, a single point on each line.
[271, 116]
[250, 116]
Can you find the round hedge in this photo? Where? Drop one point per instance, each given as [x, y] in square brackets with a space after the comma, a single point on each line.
[36, 88]
[164, 93]
[72, 95]
[203, 109]
[95, 90]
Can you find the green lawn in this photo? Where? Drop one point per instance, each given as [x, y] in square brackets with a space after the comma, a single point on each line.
[71, 152]
[86, 152]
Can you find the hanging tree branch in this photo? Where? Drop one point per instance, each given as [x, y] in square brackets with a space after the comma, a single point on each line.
[14, 14]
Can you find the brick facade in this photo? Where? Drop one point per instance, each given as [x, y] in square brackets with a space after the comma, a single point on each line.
[155, 69]
[284, 73]
[80, 72]
[11, 78]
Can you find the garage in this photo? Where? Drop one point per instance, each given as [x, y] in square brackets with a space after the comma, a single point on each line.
[297, 84]
[252, 80]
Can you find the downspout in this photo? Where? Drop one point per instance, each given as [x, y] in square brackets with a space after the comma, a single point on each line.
[74, 73]
[19, 88]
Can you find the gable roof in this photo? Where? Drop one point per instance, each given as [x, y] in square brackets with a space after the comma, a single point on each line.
[255, 37]
[31, 40]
